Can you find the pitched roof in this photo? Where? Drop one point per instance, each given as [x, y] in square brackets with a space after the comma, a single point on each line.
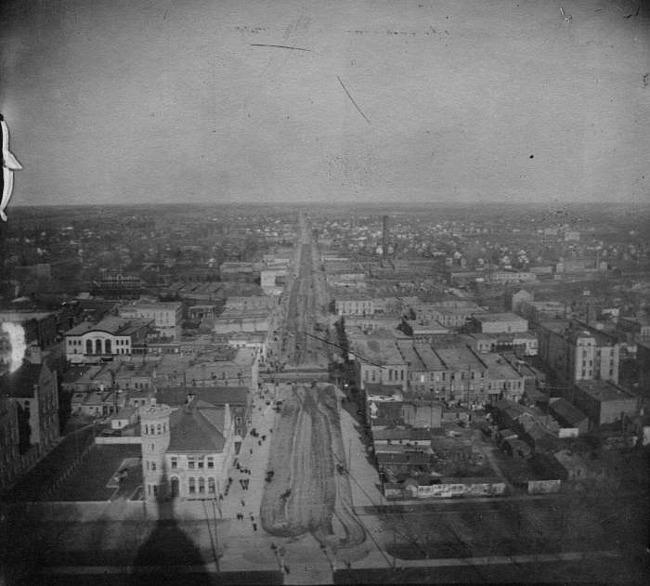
[566, 413]
[192, 431]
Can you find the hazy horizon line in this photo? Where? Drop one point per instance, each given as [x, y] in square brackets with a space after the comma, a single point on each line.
[321, 204]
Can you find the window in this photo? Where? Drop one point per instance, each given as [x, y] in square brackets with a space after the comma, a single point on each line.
[153, 465]
[210, 462]
[174, 462]
[238, 420]
[192, 485]
[201, 462]
[201, 485]
[211, 486]
[191, 462]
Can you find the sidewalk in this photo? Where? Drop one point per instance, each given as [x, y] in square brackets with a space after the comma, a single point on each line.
[364, 477]
[263, 419]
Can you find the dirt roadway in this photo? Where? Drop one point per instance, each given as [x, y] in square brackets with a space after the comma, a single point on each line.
[310, 490]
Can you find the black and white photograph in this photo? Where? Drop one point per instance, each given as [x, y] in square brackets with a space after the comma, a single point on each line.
[324, 292]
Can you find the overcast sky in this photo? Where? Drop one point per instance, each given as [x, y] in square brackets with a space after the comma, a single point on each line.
[131, 101]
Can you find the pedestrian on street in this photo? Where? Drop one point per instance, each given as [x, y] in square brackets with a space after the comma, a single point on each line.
[243, 504]
[251, 451]
[254, 526]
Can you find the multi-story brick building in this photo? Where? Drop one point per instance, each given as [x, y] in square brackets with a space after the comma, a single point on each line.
[635, 328]
[499, 323]
[166, 316]
[604, 402]
[11, 464]
[29, 417]
[575, 352]
[354, 304]
[39, 327]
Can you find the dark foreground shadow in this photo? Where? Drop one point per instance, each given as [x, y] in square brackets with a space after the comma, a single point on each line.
[168, 556]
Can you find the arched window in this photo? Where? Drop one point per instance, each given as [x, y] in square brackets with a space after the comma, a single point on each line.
[107, 345]
[192, 485]
[174, 486]
[211, 486]
[89, 346]
[98, 346]
[145, 429]
[201, 485]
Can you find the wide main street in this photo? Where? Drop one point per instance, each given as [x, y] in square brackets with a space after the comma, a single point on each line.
[305, 505]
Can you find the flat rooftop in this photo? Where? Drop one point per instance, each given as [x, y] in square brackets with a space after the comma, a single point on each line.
[498, 317]
[604, 390]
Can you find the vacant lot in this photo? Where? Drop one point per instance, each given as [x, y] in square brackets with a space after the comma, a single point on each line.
[94, 478]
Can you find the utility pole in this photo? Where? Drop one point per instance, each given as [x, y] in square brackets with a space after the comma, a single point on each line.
[216, 535]
[349, 455]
